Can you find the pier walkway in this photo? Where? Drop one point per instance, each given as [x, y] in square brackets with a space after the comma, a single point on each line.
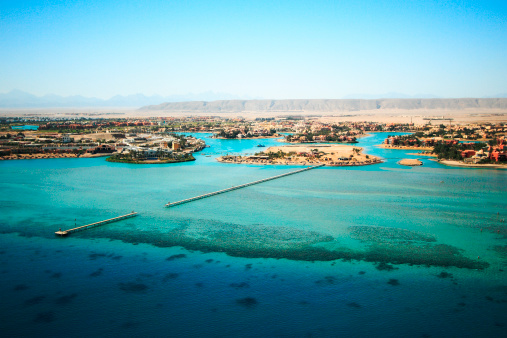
[84, 227]
[240, 186]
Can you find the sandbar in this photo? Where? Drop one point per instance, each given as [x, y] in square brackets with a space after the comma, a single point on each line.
[410, 162]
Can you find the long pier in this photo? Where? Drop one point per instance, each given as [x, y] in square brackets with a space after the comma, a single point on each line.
[91, 225]
[240, 186]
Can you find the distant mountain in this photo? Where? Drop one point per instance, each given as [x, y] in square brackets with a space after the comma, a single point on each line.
[21, 99]
[499, 95]
[238, 106]
[390, 95]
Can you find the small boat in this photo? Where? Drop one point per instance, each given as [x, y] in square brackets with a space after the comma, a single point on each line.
[260, 145]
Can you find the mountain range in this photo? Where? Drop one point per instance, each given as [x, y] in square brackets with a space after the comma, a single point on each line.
[21, 99]
[217, 102]
[238, 106]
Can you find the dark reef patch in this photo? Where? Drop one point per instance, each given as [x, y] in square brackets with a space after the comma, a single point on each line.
[328, 280]
[393, 282]
[387, 234]
[20, 287]
[173, 257]
[247, 302]
[64, 300]
[383, 266]
[45, 317]
[171, 275]
[382, 245]
[209, 261]
[97, 273]
[93, 256]
[133, 287]
[35, 300]
[354, 304]
[499, 229]
[444, 274]
[129, 325]
[56, 275]
[239, 285]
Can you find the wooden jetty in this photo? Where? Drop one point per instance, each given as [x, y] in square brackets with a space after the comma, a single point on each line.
[84, 227]
[240, 186]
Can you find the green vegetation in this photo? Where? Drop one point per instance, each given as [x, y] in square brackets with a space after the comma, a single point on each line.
[452, 150]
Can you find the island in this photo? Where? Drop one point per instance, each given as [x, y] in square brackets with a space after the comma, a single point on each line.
[410, 162]
[330, 155]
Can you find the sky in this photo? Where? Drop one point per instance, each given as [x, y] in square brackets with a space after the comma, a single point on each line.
[256, 49]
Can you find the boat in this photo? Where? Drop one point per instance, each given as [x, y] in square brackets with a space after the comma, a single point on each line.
[260, 145]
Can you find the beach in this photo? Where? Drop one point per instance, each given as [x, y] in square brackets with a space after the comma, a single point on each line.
[452, 163]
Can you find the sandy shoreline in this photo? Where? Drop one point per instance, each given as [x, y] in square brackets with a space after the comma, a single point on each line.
[248, 138]
[37, 156]
[388, 146]
[423, 154]
[466, 165]
[49, 156]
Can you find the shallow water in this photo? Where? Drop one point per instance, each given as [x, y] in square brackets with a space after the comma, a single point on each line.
[290, 257]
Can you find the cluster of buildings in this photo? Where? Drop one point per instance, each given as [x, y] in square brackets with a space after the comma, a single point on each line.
[153, 146]
[465, 132]
[494, 153]
[469, 152]
[47, 143]
[143, 145]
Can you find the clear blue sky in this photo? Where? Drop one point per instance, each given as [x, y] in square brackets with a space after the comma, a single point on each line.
[269, 49]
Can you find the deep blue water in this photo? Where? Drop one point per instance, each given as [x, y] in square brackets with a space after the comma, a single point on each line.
[135, 277]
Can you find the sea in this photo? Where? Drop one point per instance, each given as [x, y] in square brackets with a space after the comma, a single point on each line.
[381, 250]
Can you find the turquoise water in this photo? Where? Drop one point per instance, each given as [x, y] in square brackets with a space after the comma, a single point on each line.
[393, 250]
[27, 127]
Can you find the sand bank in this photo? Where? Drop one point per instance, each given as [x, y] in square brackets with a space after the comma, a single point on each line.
[410, 162]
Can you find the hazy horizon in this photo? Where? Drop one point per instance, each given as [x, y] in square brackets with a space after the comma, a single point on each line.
[283, 50]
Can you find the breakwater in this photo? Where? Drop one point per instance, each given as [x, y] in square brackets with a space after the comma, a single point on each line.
[91, 225]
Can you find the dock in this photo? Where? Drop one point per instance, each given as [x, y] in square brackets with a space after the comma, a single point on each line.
[91, 225]
[240, 186]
